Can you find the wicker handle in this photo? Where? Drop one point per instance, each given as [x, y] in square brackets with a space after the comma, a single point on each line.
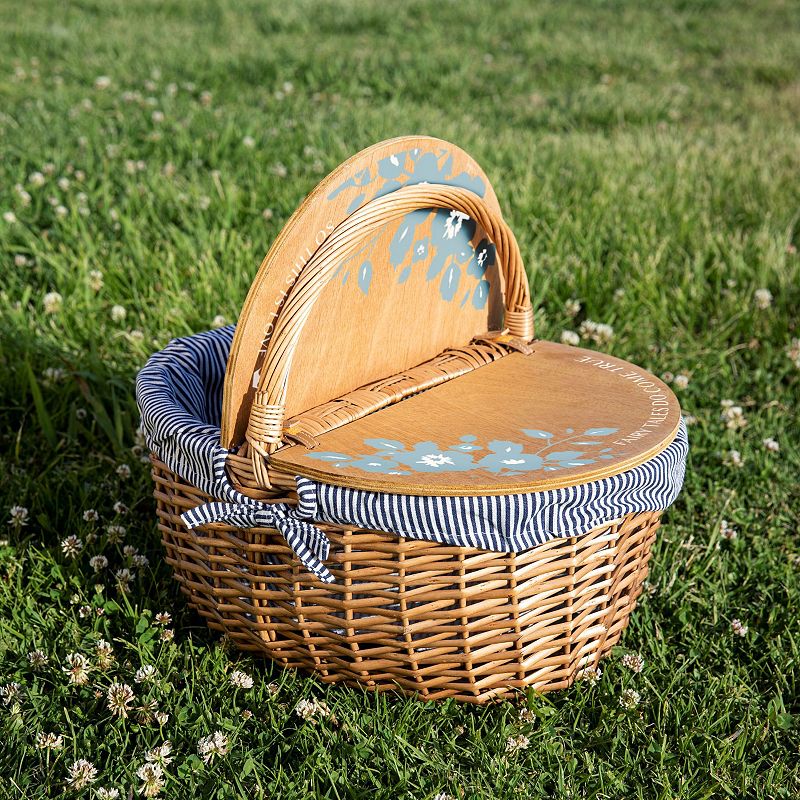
[265, 428]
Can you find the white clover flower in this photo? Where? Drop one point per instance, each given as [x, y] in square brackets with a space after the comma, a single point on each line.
[241, 680]
[161, 718]
[733, 458]
[146, 672]
[146, 711]
[98, 563]
[219, 321]
[211, 746]
[90, 515]
[77, 669]
[311, 709]
[733, 417]
[36, 179]
[161, 754]
[526, 716]
[95, 280]
[249, 142]
[63, 184]
[102, 82]
[518, 742]
[37, 659]
[20, 260]
[120, 508]
[140, 560]
[61, 211]
[124, 471]
[633, 661]
[570, 338]
[267, 213]
[130, 550]
[689, 420]
[11, 692]
[24, 197]
[118, 313]
[105, 654]
[592, 675]
[763, 298]
[598, 332]
[18, 516]
[81, 773]
[162, 618]
[54, 375]
[49, 741]
[124, 578]
[119, 698]
[681, 381]
[167, 635]
[152, 777]
[52, 303]
[629, 699]
[726, 530]
[738, 627]
[771, 445]
[157, 117]
[572, 308]
[109, 793]
[10, 217]
[71, 546]
[205, 98]
[280, 170]
[116, 533]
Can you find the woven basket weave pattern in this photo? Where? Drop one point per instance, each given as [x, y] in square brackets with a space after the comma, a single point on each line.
[433, 620]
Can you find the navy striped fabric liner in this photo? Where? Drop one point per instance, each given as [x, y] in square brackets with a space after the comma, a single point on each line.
[179, 392]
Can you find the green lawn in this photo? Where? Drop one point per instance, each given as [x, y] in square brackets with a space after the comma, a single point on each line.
[649, 162]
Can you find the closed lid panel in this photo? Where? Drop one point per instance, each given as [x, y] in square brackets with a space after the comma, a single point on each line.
[559, 417]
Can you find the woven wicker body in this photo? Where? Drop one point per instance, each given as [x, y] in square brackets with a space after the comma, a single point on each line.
[431, 620]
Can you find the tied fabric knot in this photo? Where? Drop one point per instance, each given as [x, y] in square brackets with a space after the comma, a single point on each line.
[307, 541]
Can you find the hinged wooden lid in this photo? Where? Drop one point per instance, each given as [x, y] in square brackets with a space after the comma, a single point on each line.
[559, 417]
[360, 329]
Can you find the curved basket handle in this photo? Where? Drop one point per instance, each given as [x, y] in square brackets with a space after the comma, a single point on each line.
[265, 427]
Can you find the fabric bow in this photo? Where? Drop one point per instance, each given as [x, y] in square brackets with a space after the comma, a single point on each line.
[307, 541]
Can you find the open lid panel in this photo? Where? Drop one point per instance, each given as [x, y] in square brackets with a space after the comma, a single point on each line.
[420, 283]
[559, 417]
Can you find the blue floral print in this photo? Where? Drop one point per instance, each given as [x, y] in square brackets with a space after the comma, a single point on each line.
[392, 457]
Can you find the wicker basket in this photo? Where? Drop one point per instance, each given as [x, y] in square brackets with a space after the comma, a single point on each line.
[430, 619]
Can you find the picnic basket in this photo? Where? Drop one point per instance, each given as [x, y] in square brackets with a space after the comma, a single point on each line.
[381, 476]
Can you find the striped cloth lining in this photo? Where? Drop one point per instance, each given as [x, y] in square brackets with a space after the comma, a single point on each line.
[179, 392]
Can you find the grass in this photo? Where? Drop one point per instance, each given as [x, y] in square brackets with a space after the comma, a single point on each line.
[648, 159]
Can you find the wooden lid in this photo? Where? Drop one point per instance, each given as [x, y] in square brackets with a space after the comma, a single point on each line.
[556, 418]
[414, 288]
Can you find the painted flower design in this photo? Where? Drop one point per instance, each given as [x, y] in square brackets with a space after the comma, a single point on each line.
[500, 457]
[440, 238]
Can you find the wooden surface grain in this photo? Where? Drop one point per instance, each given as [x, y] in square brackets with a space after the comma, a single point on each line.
[559, 417]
